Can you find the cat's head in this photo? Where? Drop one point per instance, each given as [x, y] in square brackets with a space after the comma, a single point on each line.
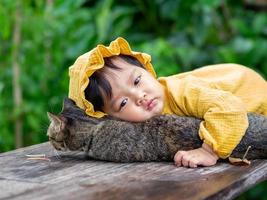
[67, 124]
[57, 131]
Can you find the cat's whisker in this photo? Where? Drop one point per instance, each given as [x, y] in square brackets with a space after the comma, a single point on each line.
[65, 146]
[44, 126]
[57, 155]
[53, 153]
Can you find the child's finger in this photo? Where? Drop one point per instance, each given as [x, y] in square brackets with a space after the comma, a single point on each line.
[193, 163]
[185, 161]
[178, 158]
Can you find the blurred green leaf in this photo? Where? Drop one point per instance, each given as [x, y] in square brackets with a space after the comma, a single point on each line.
[242, 45]
[260, 23]
[103, 22]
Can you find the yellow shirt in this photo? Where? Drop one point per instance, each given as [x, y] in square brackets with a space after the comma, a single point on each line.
[221, 95]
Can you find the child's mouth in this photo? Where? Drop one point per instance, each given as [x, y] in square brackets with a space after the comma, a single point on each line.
[151, 104]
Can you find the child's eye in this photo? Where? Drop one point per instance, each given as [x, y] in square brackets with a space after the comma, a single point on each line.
[123, 103]
[137, 80]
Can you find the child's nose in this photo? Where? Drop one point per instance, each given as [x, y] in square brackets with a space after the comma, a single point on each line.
[141, 100]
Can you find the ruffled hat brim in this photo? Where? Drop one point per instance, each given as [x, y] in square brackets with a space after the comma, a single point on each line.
[88, 63]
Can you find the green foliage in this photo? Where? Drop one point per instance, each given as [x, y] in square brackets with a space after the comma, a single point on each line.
[257, 193]
[180, 35]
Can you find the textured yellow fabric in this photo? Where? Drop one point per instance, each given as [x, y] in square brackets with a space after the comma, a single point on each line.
[88, 63]
[221, 95]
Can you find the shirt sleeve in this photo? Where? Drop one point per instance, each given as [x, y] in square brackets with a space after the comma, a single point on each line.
[224, 115]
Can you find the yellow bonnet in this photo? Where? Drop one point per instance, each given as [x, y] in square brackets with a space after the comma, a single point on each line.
[88, 63]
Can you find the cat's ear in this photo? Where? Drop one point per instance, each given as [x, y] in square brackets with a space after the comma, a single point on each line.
[67, 104]
[59, 121]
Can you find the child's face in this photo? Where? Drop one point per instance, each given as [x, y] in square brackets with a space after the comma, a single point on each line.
[136, 94]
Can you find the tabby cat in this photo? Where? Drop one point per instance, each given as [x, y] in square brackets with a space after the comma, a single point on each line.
[157, 139]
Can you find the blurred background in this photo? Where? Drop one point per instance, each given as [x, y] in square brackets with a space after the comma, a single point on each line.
[40, 39]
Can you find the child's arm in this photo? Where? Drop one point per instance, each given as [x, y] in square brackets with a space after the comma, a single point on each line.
[224, 117]
[203, 156]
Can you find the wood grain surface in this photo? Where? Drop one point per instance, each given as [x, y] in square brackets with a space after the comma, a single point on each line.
[74, 176]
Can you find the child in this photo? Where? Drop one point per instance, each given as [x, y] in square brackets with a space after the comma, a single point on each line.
[119, 82]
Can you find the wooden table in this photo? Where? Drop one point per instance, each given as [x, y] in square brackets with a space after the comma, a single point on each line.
[74, 176]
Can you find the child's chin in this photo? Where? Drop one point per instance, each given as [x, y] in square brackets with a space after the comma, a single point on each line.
[143, 118]
[146, 116]
[154, 114]
[157, 110]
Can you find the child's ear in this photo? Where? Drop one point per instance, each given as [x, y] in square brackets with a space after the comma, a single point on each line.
[58, 121]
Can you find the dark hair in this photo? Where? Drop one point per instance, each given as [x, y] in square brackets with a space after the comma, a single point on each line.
[98, 82]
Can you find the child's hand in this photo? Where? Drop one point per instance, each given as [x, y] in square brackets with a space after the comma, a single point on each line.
[203, 156]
